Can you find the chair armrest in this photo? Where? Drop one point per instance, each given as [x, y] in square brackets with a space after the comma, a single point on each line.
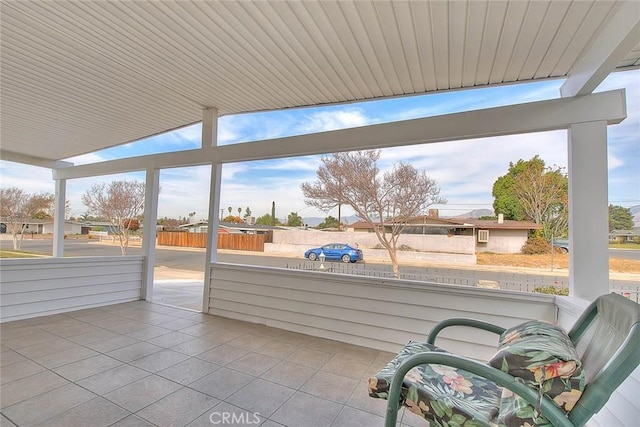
[478, 324]
[547, 408]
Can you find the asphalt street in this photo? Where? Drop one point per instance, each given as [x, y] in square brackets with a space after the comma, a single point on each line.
[190, 259]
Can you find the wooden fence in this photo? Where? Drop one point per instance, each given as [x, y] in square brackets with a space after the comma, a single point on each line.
[241, 242]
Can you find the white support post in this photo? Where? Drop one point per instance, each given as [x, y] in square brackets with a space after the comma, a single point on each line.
[210, 139]
[588, 210]
[152, 188]
[59, 217]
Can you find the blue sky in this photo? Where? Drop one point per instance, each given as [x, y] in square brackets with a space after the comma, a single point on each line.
[464, 170]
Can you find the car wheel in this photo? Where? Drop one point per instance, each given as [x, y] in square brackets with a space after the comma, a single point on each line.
[346, 258]
[313, 256]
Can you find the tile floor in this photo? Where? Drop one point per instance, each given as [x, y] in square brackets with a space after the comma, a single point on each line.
[144, 364]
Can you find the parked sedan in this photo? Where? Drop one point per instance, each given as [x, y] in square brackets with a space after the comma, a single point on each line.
[335, 251]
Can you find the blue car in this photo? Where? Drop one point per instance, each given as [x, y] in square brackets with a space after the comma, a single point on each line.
[335, 251]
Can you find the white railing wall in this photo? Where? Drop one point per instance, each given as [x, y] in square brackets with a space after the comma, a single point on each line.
[31, 287]
[374, 312]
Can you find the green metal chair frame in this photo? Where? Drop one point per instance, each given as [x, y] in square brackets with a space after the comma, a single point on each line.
[617, 361]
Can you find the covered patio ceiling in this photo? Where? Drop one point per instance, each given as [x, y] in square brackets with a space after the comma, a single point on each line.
[77, 77]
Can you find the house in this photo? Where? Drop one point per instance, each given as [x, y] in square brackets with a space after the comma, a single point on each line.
[625, 236]
[45, 226]
[500, 236]
[79, 77]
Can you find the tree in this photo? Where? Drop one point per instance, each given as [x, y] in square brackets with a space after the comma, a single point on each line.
[232, 218]
[119, 202]
[353, 179]
[294, 220]
[329, 222]
[531, 191]
[18, 207]
[267, 219]
[247, 214]
[620, 218]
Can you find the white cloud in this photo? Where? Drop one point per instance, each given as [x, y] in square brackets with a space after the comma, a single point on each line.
[322, 121]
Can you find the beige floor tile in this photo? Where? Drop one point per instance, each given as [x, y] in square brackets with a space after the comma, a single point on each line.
[19, 370]
[360, 399]
[263, 397]
[227, 414]
[330, 386]
[249, 341]
[306, 410]
[36, 344]
[10, 357]
[276, 348]
[254, 364]
[134, 351]
[31, 386]
[85, 368]
[4, 422]
[194, 346]
[346, 366]
[97, 412]
[132, 421]
[200, 329]
[112, 379]
[289, 374]
[148, 332]
[47, 405]
[170, 339]
[113, 343]
[65, 357]
[188, 370]
[141, 393]
[221, 383]
[99, 334]
[222, 354]
[18, 332]
[179, 408]
[310, 357]
[160, 360]
[350, 417]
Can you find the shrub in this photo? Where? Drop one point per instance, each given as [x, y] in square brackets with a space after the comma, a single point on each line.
[536, 245]
[551, 290]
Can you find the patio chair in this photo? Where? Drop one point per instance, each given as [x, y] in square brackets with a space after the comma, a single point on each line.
[540, 374]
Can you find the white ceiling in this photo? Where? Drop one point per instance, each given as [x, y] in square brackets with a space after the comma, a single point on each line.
[81, 76]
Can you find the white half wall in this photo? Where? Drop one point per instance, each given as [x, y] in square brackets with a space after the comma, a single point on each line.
[372, 312]
[32, 287]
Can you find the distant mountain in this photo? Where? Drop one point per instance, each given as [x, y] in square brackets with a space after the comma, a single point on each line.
[476, 213]
[635, 211]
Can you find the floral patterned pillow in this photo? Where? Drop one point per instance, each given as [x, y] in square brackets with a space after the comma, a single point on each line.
[542, 354]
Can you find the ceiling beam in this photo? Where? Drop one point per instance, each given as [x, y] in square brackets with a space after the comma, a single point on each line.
[509, 120]
[620, 36]
[32, 160]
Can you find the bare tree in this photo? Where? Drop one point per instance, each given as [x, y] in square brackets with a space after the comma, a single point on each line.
[386, 201]
[543, 196]
[18, 207]
[120, 202]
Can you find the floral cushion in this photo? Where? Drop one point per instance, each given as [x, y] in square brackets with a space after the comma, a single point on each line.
[543, 356]
[443, 395]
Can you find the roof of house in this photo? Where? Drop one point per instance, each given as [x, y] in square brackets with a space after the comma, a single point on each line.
[460, 223]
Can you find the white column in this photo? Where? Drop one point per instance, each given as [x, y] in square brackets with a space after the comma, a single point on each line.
[152, 188]
[58, 219]
[588, 210]
[210, 139]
